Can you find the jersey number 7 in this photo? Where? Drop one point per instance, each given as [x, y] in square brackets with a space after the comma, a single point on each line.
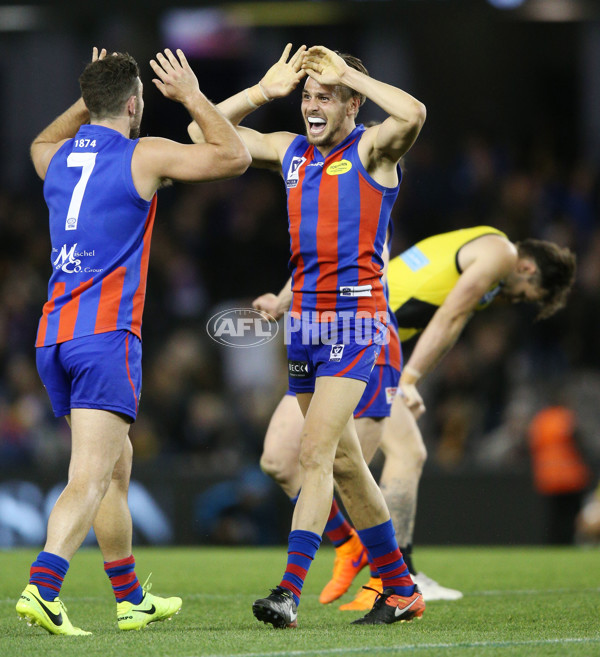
[86, 161]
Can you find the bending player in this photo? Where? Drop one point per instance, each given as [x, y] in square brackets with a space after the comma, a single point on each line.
[435, 285]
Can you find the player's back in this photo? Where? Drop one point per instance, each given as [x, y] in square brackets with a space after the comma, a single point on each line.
[421, 277]
[100, 231]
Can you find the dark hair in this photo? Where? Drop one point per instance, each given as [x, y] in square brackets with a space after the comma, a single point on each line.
[556, 266]
[355, 63]
[107, 83]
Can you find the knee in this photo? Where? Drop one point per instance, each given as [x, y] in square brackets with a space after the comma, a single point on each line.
[343, 468]
[407, 451]
[277, 468]
[419, 456]
[88, 487]
[346, 464]
[122, 471]
[315, 457]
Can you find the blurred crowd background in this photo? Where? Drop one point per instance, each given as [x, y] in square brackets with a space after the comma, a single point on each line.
[511, 140]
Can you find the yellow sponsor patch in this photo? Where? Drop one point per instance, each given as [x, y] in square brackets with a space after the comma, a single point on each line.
[337, 168]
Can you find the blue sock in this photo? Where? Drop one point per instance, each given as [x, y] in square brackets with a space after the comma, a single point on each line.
[381, 544]
[47, 572]
[124, 580]
[302, 547]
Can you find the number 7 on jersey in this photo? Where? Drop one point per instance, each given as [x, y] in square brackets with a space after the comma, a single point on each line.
[86, 161]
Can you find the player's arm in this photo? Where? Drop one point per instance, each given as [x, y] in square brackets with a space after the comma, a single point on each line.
[223, 153]
[275, 304]
[279, 81]
[492, 263]
[392, 138]
[266, 149]
[64, 127]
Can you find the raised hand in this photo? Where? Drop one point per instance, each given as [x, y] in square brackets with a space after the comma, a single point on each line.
[176, 80]
[324, 66]
[283, 77]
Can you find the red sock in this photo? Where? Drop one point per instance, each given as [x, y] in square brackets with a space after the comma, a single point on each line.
[338, 530]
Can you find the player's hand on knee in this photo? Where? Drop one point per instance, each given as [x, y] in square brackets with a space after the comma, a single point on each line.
[412, 398]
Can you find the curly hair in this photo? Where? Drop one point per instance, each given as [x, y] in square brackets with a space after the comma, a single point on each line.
[107, 83]
[556, 266]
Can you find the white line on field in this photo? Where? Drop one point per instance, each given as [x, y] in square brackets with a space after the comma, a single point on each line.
[410, 647]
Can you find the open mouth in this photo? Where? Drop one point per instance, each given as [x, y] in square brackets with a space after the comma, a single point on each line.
[316, 125]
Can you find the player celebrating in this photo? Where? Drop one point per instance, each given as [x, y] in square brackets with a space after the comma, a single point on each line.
[341, 182]
[435, 285]
[100, 184]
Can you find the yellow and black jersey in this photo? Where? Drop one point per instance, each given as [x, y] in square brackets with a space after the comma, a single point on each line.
[421, 277]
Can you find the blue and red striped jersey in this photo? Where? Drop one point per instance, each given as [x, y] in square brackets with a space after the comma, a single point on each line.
[391, 351]
[338, 217]
[100, 230]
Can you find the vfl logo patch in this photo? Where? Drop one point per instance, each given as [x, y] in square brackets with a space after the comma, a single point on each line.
[390, 393]
[298, 369]
[337, 351]
[291, 179]
[337, 168]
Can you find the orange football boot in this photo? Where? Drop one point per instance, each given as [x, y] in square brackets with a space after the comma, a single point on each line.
[350, 559]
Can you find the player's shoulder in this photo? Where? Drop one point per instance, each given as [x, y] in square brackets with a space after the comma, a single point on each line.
[282, 139]
[494, 243]
[493, 250]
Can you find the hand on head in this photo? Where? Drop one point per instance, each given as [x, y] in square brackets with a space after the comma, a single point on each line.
[98, 54]
[324, 65]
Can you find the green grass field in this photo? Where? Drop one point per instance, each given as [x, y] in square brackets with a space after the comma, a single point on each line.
[521, 602]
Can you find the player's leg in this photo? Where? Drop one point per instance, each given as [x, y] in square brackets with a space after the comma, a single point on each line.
[112, 524]
[136, 606]
[280, 460]
[97, 440]
[350, 554]
[402, 445]
[363, 499]
[370, 416]
[281, 448]
[405, 455]
[326, 413]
